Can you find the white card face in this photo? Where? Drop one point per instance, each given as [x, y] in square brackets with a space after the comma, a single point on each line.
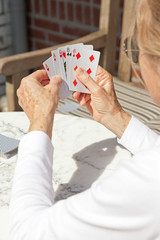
[62, 55]
[64, 62]
[71, 52]
[50, 67]
[86, 59]
[62, 59]
[89, 47]
[55, 59]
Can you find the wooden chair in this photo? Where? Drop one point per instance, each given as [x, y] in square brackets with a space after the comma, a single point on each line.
[15, 67]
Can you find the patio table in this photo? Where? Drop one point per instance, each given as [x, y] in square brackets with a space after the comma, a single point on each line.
[84, 151]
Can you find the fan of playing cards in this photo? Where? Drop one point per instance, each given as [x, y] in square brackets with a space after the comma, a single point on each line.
[64, 61]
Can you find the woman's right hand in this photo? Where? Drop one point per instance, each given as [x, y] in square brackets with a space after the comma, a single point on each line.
[102, 103]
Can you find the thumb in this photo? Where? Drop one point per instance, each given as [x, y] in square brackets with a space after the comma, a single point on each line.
[55, 82]
[84, 77]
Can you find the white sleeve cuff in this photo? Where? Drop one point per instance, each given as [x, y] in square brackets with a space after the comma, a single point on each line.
[137, 136]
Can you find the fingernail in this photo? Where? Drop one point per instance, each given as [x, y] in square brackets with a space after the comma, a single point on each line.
[57, 77]
[80, 71]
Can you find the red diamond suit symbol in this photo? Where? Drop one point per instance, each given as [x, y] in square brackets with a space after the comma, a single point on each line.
[89, 71]
[75, 82]
[91, 58]
[78, 55]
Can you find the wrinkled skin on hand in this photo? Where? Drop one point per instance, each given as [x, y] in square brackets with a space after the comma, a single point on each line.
[39, 97]
[102, 103]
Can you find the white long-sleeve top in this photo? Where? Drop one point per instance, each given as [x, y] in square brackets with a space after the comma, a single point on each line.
[123, 206]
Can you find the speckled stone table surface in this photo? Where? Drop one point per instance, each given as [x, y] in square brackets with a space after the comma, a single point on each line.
[84, 151]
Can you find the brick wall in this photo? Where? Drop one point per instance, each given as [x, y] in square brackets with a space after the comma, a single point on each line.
[56, 21]
[5, 29]
[51, 22]
[5, 36]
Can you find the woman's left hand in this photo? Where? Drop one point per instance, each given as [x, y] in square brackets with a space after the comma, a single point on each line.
[39, 97]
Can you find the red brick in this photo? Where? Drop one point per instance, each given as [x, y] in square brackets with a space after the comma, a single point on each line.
[40, 45]
[37, 34]
[70, 11]
[79, 13]
[45, 7]
[58, 39]
[61, 10]
[75, 31]
[37, 6]
[97, 1]
[96, 14]
[53, 8]
[46, 24]
[84, 0]
[87, 15]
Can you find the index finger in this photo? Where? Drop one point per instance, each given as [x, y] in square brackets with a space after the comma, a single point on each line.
[40, 75]
[84, 77]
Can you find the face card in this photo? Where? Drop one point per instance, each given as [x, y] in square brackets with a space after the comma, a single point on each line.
[51, 68]
[86, 59]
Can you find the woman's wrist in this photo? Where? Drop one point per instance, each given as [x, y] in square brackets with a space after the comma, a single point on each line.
[45, 125]
[118, 123]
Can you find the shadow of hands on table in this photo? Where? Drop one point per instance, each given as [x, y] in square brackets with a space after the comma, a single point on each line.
[91, 163]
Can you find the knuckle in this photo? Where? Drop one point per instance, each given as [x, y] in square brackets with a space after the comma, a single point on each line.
[86, 78]
[98, 90]
[38, 71]
[23, 81]
[18, 92]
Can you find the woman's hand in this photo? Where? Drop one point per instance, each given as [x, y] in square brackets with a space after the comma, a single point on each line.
[102, 103]
[39, 97]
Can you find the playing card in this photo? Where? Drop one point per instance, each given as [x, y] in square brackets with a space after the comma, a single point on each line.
[59, 62]
[48, 65]
[71, 52]
[65, 60]
[8, 146]
[51, 66]
[62, 55]
[86, 59]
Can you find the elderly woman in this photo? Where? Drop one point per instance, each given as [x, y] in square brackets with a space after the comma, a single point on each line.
[125, 205]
